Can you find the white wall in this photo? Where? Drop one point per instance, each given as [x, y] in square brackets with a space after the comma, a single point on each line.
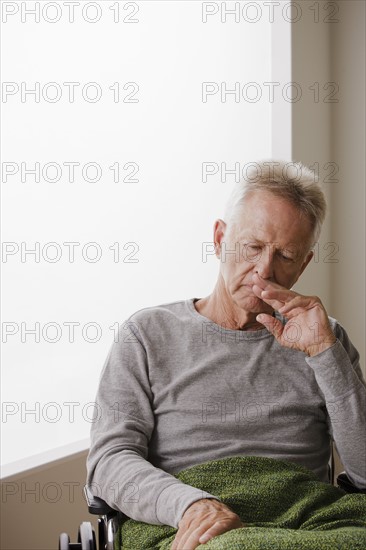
[166, 216]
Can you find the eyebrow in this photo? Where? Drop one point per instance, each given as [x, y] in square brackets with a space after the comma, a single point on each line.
[288, 248]
[252, 238]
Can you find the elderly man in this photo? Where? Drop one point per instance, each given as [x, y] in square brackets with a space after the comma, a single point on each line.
[252, 369]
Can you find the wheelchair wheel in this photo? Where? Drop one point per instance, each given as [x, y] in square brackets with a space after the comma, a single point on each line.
[86, 536]
[65, 544]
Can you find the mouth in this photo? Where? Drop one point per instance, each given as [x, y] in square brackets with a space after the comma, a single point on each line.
[249, 287]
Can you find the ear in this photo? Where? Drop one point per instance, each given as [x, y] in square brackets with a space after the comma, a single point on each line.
[219, 233]
[306, 262]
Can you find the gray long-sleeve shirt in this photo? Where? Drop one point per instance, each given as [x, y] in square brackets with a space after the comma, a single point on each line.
[177, 390]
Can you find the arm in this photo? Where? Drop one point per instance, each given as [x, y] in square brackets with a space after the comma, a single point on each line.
[335, 362]
[339, 376]
[117, 467]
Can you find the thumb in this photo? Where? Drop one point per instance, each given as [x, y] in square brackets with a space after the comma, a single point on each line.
[272, 324]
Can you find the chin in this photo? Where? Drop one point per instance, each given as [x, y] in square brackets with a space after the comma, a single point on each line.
[251, 303]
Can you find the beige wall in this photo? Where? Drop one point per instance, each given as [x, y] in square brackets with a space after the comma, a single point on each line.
[311, 131]
[348, 149]
[36, 507]
[335, 132]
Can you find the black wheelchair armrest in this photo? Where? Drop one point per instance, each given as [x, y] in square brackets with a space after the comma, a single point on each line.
[346, 484]
[97, 505]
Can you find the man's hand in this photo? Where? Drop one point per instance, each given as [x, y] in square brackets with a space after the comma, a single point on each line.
[308, 327]
[203, 520]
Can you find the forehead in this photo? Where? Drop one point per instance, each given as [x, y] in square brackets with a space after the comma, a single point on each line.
[269, 218]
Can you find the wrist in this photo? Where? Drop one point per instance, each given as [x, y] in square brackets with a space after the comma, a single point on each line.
[202, 501]
[322, 346]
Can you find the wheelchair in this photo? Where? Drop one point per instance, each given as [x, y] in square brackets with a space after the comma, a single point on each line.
[110, 520]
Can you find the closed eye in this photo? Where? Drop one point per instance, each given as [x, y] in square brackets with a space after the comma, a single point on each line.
[286, 258]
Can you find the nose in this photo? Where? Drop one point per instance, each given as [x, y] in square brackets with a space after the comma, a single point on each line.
[264, 265]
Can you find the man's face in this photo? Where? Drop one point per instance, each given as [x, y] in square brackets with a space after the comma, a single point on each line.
[271, 238]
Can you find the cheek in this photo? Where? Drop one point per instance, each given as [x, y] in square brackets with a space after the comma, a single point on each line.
[286, 276]
[232, 269]
[243, 273]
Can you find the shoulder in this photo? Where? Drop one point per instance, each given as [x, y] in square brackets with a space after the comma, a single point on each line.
[154, 321]
[167, 309]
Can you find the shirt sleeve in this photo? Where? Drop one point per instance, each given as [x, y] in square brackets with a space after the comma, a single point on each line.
[117, 467]
[339, 376]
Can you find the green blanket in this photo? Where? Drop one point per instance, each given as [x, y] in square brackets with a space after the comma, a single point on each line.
[283, 505]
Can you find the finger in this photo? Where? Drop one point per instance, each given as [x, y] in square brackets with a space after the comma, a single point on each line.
[178, 537]
[272, 325]
[280, 294]
[190, 540]
[265, 284]
[273, 290]
[190, 537]
[194, 538]
[276, 304]
[217, 529]
[298, 301]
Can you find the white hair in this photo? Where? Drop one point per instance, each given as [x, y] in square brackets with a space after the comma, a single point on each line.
[291, 181]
